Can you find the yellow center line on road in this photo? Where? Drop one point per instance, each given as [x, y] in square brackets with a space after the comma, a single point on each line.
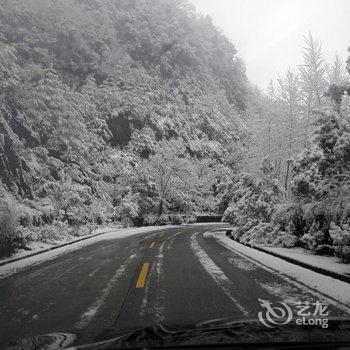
[142, 277]
[151, 246]
[161, 235]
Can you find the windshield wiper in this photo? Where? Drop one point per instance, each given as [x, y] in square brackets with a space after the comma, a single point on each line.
[220, 333]
[212, 333]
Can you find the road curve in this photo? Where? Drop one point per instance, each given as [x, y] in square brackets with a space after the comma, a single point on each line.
[174, 276]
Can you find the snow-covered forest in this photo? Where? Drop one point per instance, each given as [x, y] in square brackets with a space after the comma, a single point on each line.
[294, 190]
[140, 113]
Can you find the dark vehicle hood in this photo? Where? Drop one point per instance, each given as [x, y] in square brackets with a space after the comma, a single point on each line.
[205, 334]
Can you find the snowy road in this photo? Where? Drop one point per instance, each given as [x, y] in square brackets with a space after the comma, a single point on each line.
[173, 276]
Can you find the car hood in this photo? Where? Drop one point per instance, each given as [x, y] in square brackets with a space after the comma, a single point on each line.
[211, 332]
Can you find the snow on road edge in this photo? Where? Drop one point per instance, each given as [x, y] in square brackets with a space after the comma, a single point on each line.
[90, 313]
[329, 263]
[16, 266]
[215, 272]
[328, 286]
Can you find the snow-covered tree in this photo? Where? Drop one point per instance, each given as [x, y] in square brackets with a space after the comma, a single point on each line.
[326, 165]
[290, 94]
[336, 73]
[341, 240]
[253, 201]
[313, 69]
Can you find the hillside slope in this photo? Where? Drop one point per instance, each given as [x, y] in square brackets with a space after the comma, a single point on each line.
[114, 110]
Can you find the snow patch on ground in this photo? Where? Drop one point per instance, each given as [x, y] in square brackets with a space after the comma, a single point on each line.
[37, 246]
[287, 292]
[161, 291]
[215, 272]
[99, 265]
[242, 264]
[237, 261]
[87, 316]
[110, 234]
[336, 292]
[31, 248]
[209, 234]
[330, 263]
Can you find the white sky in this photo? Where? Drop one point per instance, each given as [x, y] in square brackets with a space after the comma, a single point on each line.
[269, 33]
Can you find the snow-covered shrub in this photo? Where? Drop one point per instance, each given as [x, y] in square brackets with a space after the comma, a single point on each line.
[341, 240]
[143, 142]
[48, 213]
[314, 237]
[49, 189]
[189, 218]
[100, 211]
[75, 201]
[26, 234]
[289, 217]
[31, 213]
[83, 230]
[321, 185]
[324, 249]
[322, 212]
[150, 219]
[57, 231]
[252, 202]
[176, 219]
[259, 234]
[268, 234]
[128, 211]
[252, 205]
[284, 239]
[9, 221]
[163, 220]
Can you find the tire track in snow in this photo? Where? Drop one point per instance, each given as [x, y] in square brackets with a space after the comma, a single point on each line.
[161, 294]
[215, 272]
[171, 241]
[92, 310]
[289, 279]
[157, 268]
[99, 266]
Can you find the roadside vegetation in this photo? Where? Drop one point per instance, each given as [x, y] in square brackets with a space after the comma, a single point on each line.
[301, 197]
[139, 112]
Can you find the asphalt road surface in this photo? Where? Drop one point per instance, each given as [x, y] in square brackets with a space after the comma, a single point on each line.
[173, 276]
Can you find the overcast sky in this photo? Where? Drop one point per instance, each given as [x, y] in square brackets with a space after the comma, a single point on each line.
[269, 33]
